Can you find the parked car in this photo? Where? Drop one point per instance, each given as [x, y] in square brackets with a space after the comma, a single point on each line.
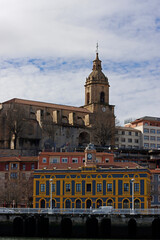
[103, 210]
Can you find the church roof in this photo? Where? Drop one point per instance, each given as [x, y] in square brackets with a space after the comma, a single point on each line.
[97, 74]
[48, 105]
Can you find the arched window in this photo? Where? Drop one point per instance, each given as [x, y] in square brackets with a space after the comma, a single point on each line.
[99, 203]
[88, 203]
[126, 203]
[68, 204]
[110, 202]
[136, 203]
[88, 96]
[102, 97]
[42, 204]
[78, 203]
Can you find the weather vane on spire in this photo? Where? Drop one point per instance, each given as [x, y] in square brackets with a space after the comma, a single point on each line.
[97, 48]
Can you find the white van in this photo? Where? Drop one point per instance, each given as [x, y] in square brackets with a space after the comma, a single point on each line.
[103, 209]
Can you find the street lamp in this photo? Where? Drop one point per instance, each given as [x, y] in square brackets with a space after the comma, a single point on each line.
[132, 181]
[51, 180]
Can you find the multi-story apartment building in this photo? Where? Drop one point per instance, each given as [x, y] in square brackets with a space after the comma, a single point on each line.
[16, 181]
[150, 129]
[127, 137]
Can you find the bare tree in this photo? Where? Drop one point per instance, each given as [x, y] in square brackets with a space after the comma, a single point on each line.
[104, 129]
[17, 192]
[15, 122]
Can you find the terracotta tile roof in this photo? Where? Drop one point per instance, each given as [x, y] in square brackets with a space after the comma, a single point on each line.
[19, 159]
[48, 105]
[73, 154]
[74, 166]
[154, 171]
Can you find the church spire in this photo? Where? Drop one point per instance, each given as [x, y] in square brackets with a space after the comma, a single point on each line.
[97, 62]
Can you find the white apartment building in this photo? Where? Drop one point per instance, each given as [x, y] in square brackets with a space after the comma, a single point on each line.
[150, 129]
[127, 137]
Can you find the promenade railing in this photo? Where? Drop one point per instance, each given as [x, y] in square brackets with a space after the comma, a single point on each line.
[79, 211]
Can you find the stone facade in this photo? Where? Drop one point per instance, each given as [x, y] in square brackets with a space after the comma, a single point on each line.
[33, 125]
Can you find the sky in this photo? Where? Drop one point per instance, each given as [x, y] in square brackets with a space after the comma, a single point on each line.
[47, 48]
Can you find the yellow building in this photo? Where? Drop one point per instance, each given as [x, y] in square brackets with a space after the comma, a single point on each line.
[91, 184]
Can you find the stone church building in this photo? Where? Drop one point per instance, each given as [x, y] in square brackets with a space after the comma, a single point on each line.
[33, 125]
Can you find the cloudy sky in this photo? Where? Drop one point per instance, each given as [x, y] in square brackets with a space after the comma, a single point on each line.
[47, 48]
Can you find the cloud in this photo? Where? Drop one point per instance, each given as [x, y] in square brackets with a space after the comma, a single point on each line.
[47, 48]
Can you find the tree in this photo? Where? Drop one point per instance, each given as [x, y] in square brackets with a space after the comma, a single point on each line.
[48, 129]
[104, 129]
[15, 122]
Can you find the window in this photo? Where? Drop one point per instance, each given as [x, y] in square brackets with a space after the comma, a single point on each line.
[152, 131]
[158, 139]
[44, 160]
[13, 175]
[146, 130]
[99, 187]
[7, 167]
[129, 140]
[158, 145]
[123, 132]
[14, 166]
[146, 137]
[68, 187]
[126, 187]
[24, 167]
[64, 160]
[146, 124]
[136, 141]
[136, 187]
[146, 145]
[158, 198]
[42, 187]
[88, 98]
[32, 166]
[106, 160]
[158, 131]
[88, 189]
[116, 139]
[74, 160]
[152, 145]
[152, 138]
[54, 160]
[78, 187]
[109, 187]
[136, 134]
[123, 139]
[130, 133]
[102, 97]
[53, 187]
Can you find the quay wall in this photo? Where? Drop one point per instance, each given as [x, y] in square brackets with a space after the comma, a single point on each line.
[80, 226]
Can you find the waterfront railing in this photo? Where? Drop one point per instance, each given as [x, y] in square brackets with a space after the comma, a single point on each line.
[79, 211]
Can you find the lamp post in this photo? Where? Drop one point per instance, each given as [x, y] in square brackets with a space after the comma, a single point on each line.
[132, 181]
[51, 180]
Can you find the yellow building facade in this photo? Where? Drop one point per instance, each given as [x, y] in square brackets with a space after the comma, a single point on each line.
[92, 186]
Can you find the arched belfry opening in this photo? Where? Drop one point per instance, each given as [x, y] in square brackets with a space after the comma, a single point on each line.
[88, 96]
[102, 97]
